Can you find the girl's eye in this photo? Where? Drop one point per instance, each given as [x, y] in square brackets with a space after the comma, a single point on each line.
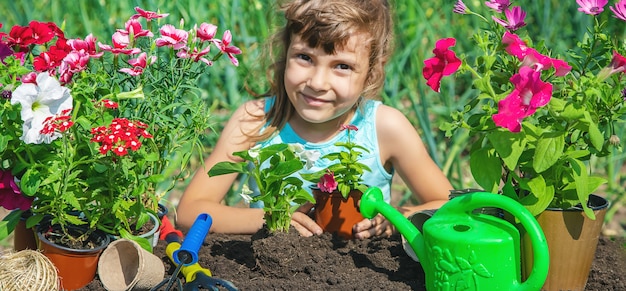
[303, 57]
[343, 67]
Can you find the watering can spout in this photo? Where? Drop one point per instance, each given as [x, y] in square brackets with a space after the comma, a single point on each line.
[372, 203]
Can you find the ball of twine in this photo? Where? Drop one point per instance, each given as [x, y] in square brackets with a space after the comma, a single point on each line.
[27, 270]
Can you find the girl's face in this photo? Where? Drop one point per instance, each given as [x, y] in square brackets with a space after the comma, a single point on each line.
[323, 87]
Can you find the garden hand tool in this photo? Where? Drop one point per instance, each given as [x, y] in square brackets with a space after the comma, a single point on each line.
[195, 276]
[460, 248]
[185, 254]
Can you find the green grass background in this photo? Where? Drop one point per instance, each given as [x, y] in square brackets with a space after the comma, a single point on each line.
[418, 25]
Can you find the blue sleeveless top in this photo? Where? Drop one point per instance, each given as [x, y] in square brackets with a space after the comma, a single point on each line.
[365, 120]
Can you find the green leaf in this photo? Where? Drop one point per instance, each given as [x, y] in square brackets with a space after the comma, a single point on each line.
[549, 149]
[223, 168]
[144, 243]
[486, 169]
[540, 195]
[595, 136]
[30, 182]
[8, 223]
[509, 145]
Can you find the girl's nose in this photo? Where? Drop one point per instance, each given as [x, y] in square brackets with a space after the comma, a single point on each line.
[318, 80]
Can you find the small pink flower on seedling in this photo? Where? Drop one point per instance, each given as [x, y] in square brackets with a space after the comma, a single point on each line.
[327, 182]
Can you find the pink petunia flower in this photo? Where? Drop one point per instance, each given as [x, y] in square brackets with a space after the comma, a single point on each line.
[591, 7]
[529, 94]
[444, 63]
[515, 18]
[531, 57]
[10, 195]
[206, 32]
[327, 183]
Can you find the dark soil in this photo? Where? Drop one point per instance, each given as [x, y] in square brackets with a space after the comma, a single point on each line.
[291, 262]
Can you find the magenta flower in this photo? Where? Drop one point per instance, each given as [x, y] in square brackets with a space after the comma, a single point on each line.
[10, 195]
[327, 183]
[617, 65]
[515, 18]
[134, 28]
[591, 7]
[531, 57]
[460, 7]
[619, 10]
[529, 94]
[444, 63]
[498, 5]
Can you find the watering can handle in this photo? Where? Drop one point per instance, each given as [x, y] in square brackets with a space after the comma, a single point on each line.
[541, 257]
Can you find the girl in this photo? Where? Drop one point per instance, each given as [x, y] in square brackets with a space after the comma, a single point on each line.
[328, 70]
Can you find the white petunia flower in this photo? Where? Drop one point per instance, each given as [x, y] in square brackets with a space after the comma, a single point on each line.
[245, 194]
[254, 151]
[310, 157]
[40, 101]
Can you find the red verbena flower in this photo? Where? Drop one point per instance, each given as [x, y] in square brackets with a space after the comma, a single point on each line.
[444, 63]
[120, 136]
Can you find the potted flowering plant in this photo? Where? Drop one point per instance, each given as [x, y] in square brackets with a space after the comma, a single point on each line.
[338, 188]
[271, 169]
[345, 175]
[538, 118]
[95, 134]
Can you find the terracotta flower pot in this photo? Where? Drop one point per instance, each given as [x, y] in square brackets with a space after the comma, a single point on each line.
[572, 241]
[75, 267]
[336, 214]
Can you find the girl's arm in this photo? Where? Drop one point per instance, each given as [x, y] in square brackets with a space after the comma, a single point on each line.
[402, 147]
[205, 194]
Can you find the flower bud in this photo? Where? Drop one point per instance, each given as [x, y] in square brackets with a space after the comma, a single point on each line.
[614, 140]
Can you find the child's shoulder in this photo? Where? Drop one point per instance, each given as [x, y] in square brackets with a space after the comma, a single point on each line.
[390, 119]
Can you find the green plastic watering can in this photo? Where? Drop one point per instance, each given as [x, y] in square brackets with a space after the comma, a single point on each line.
[461, 249]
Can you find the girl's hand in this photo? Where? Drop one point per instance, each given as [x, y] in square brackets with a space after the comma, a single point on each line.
[376, 226]
[303, 222]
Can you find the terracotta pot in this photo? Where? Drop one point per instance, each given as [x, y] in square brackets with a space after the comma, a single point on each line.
[75, 267]
[572, 240]
[336, 214]
[24, 238]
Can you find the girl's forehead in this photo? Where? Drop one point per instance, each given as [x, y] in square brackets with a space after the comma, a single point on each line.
[358, 42]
